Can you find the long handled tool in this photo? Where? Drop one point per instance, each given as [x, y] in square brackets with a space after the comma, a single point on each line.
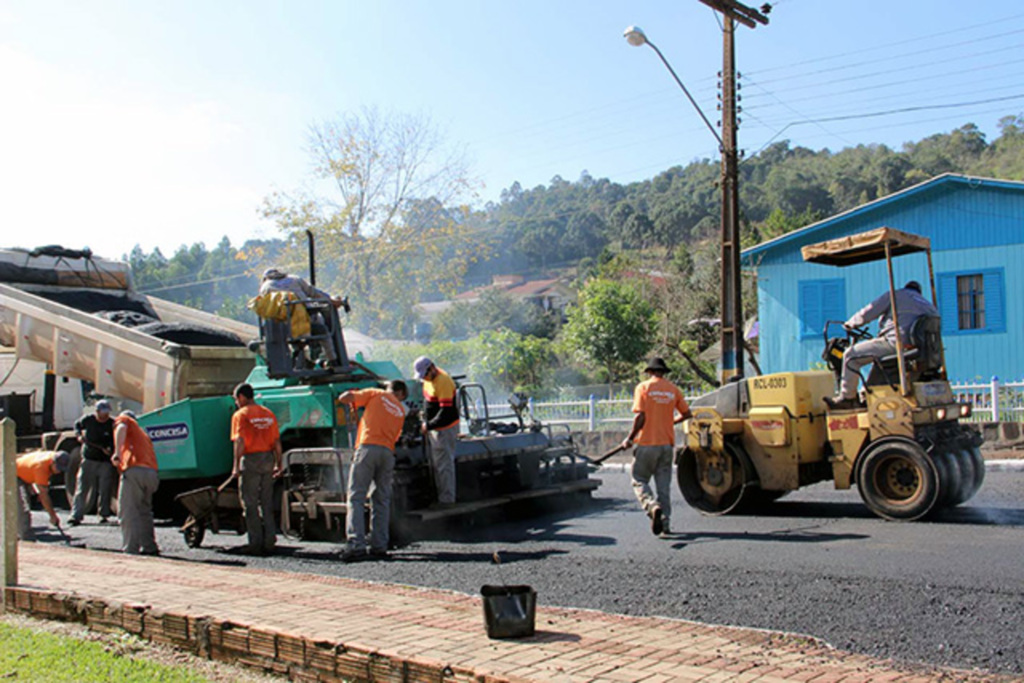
[67, 539]
[614, 451]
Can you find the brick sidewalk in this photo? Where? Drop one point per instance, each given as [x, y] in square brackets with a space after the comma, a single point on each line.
[312, 627]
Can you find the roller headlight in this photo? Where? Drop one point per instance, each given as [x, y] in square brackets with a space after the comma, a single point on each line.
[965, 410]
[940, 414]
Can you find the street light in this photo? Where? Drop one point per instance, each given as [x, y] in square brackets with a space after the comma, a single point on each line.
[731, 303]
[636, 37]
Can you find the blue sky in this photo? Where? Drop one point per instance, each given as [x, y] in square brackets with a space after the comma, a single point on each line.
[167, 123]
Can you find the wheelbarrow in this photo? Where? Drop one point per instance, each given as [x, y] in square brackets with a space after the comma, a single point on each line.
[211, 508]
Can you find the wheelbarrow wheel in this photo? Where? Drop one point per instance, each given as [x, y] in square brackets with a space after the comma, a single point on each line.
[194, 534]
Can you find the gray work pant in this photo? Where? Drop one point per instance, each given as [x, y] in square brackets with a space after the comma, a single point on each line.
[25, 532]
[653, 461]
[256, 488]
[442, 458]
[370, 465]
[95, 479]
[135, 507]
[857, 356]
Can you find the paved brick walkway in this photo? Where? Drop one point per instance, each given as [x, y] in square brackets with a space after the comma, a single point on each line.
[325, 628]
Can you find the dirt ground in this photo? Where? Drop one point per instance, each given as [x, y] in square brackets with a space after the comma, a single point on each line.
[129, 646]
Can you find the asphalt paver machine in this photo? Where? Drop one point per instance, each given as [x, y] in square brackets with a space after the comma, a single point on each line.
[755, 439]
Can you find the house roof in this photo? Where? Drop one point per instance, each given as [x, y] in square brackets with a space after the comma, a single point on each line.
[522, 290]
[802, 234]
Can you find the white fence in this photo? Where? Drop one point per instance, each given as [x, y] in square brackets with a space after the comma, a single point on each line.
[991, 401]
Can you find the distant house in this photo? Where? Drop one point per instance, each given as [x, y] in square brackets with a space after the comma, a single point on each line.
[976, 227]
[550, 294]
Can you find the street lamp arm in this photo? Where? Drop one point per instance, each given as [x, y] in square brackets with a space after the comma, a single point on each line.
[687, 92]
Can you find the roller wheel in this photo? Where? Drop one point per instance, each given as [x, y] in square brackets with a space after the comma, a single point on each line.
[950, 482]
[963, 460]
[978, 466]
[897, 480]
[757, 498]
[715, 483]
[194, 534]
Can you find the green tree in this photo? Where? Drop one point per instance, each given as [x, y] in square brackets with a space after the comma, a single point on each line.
[611, 326]
[514, 361]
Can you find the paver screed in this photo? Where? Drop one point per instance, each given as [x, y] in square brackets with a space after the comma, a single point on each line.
[313, 627]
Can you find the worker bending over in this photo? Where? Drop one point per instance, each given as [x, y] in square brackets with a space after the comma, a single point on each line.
[34, 472]
[373, 464]
[135, 459]
[655, 402]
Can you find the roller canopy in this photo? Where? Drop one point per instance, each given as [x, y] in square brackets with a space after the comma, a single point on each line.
[864, 247]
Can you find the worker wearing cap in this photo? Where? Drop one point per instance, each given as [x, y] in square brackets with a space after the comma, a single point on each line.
[136, 461]
[655, 403]
[96, 475]
[910, 305]
[275, 280]
[34, 472]
[373, 463]
[441, 424]
[257, 448]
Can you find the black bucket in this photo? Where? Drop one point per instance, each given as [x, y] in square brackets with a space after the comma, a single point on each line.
[509, 611]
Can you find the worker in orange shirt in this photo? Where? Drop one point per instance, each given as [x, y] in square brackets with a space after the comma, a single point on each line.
[257, 448]
[655, 403]
[135, 460]
[373, 463]
[34, 472]
[441, 424]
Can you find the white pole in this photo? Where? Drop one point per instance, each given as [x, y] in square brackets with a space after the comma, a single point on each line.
[995, 398]
[9, 504]
[592, 414]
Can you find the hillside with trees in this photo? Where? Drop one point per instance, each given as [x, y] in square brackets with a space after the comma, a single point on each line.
[396, 225]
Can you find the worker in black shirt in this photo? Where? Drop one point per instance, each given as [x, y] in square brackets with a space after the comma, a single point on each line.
[96, 474]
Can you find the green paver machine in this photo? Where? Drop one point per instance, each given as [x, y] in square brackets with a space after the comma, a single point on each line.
[527, 461]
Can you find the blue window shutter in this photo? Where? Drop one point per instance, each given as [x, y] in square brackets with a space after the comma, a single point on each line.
[810, 308]
[833, 301]
[995, 301]
[948, 303]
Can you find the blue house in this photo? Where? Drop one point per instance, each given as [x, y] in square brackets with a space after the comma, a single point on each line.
[976, 227]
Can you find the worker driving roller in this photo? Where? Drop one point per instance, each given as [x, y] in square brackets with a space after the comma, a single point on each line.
[910, 305]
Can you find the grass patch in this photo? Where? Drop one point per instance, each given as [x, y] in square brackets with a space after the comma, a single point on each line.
[28, 655]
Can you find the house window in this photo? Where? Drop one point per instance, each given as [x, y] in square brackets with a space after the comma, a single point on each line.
[820, 301]
[972, 302]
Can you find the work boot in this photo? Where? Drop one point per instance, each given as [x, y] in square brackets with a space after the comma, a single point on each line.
[840, 403]
[379, 554]
[73, 522]
[666, 528]
[353, 555]
[657, 520]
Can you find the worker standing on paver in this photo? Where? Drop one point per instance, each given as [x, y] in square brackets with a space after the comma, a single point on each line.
[96, 475]
[257, 462]
[135, 459]
[655, 402]
[373, 463]
[34, 472]
[441, 425]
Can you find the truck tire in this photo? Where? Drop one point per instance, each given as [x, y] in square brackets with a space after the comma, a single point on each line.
[897, 480]
[962, 460]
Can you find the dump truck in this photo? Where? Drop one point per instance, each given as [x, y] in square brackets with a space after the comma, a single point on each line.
[752, 441]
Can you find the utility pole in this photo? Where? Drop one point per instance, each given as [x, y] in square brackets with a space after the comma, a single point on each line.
[731, 295]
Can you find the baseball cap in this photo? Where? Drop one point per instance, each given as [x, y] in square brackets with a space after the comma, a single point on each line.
[61, 460]
[103, 406]
[421, 366]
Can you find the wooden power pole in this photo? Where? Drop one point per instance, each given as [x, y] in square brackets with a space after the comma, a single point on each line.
[731, 295]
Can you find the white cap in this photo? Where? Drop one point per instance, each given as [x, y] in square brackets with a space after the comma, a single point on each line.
[421, 366]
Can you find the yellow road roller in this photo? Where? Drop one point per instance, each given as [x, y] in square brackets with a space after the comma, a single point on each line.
[753, 440]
